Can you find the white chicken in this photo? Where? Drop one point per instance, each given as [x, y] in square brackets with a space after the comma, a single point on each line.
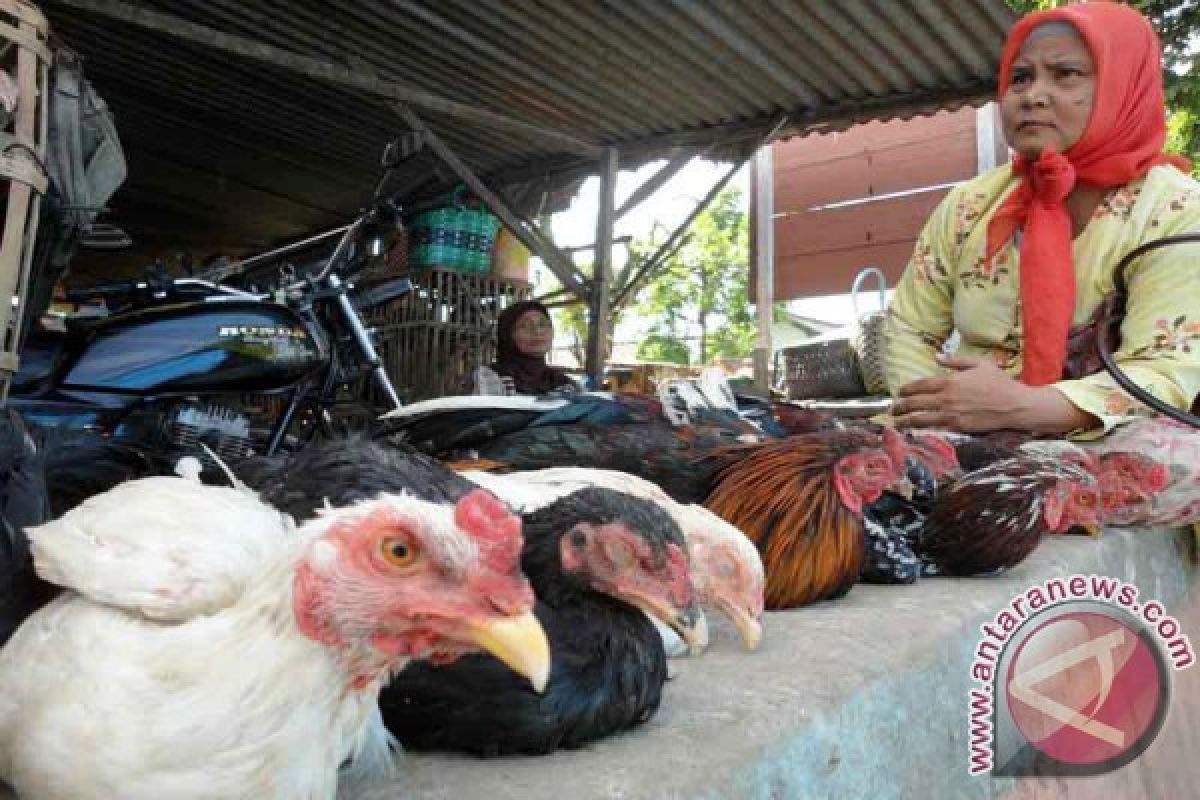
[211, 650]
[726, 567]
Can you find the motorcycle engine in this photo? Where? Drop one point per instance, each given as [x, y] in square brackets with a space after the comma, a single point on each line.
[223, 430]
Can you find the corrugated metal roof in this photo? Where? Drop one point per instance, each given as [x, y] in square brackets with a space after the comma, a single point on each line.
[229, 152]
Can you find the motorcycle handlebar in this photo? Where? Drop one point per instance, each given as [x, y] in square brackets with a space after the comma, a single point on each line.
[106, 291]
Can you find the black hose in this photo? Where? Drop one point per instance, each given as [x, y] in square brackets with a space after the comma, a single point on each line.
[1109, 332]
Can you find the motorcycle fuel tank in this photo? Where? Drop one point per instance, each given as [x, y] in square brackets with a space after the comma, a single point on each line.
[198, 347]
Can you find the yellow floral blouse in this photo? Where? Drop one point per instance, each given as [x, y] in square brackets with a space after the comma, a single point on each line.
[948, 286]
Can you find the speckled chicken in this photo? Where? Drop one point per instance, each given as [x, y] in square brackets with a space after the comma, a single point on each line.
[994, 517]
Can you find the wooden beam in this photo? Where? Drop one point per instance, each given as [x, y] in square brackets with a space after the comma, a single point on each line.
[602, 267]
[322, 70]
[623, 292]
[655, 182]
[652, 184]
[653, 262]
[560, 264]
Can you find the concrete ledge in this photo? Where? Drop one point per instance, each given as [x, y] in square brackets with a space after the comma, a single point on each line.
[861, 698]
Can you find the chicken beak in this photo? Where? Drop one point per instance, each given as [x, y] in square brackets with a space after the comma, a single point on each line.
[748, 627]
[1092, 530]
[690, 623]
[519, 642]
[903, 488]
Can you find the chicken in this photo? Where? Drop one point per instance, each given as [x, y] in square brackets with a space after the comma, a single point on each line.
[447, 425]
[800, 500]
[994, 517]
[629, 433]
[348, 470]
[1148, 473]
[597, 559]
[1133, 484]
[208, 649]
[24, 502]
[727, 569]
[672, 458]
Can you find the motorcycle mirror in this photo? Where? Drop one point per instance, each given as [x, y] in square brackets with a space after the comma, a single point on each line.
[104, 236]
[403, 147]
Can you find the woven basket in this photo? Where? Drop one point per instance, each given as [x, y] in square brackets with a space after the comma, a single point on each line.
[824, 369]
[848, 363]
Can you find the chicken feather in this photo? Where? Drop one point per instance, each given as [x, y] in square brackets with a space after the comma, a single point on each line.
[101, 550]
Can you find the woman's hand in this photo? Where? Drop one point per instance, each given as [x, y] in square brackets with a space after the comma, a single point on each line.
[979, 397]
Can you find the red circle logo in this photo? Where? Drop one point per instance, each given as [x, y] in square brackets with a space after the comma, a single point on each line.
[1085, 688]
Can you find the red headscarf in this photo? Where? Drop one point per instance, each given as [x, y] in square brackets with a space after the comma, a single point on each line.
[1123, 140]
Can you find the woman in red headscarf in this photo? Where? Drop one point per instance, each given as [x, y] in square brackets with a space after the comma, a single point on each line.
[1020, 257]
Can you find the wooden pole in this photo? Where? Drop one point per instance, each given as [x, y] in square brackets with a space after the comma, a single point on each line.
[558, 263]
[602, 269]
[762, 219]
[322, 70]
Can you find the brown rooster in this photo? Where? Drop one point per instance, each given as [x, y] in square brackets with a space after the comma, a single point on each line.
[994, 517]
[800, 501]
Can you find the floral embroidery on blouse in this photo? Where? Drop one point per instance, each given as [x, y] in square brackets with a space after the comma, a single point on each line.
[1002, 357]
[965, 215]
[1118, 203]
[1171, 335]
[927, 267]
[1173, 206]
[1117, 403]
[984, 272]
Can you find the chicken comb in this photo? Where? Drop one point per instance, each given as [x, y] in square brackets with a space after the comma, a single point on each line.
[493, 527]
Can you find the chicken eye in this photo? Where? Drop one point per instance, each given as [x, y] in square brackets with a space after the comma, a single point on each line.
[399, 552]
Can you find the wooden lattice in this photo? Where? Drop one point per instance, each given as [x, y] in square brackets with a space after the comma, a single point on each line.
[25, 63]
[432, 339]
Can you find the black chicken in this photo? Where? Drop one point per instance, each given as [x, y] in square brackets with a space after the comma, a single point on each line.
[594, 558]
[671, 457]
[23, 503]
[581, 553]
[629, 433]
[346, 471]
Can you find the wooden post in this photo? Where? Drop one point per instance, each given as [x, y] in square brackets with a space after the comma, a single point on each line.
[762, 220]
[602, 269]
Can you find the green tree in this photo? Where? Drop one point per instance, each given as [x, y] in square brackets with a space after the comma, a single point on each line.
[1178, 25]
[702, 286]
[658, 347]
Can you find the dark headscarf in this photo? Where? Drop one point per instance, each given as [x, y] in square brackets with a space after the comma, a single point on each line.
[530, 374]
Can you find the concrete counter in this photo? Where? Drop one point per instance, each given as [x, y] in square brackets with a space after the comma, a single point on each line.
[864, 697]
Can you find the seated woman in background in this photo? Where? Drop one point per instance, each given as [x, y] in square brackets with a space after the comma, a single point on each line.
[1020, 257]
[524, 335]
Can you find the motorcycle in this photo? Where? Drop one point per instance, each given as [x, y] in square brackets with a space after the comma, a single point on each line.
[188, 361]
